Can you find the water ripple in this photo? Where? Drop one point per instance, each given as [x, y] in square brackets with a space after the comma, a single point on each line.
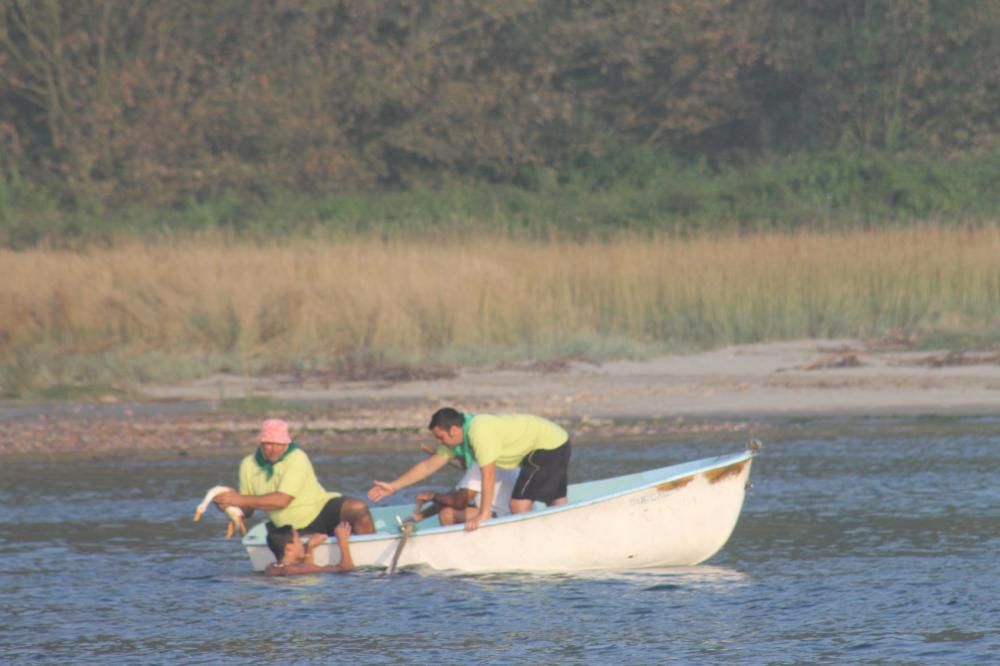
[865, 548]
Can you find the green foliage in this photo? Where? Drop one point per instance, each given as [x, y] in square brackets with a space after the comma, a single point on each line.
[209, 110]
[628, 189]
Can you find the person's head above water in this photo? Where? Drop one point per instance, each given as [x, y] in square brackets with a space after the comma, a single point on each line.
[286, 545]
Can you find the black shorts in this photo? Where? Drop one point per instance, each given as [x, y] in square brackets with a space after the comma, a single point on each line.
[324, 523]
[544, 475]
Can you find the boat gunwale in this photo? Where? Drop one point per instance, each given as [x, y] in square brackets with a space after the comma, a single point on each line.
[700, 466]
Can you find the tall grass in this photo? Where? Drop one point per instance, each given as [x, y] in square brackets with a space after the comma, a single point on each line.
[153, 311]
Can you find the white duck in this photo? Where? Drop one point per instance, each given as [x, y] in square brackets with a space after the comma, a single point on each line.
[236, 516]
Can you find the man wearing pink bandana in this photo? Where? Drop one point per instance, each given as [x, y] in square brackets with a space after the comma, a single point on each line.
[278, 478]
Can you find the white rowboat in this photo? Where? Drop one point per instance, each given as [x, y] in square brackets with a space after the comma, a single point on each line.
[671, 516]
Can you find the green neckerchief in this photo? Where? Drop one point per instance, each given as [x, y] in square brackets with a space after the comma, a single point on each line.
[465, 448]
[269, 466]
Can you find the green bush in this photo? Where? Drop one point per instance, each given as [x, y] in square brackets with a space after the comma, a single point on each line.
[629, 188]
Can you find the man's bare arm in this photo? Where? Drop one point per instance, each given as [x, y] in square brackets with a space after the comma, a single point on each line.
[269, 502]
[346, 563]
[486, 501]
[418, 472]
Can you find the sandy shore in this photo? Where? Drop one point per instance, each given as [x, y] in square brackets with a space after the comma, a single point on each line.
[727, 389]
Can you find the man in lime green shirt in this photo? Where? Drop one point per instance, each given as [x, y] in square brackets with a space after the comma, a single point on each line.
[539, 447]
[279, 479]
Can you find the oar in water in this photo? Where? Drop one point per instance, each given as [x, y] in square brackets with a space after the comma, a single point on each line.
[407, 529]
[406, 526]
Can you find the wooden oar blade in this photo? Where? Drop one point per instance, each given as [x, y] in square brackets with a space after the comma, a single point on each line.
[407, 530]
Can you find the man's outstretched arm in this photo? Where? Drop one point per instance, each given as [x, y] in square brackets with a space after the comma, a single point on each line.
[418, 472]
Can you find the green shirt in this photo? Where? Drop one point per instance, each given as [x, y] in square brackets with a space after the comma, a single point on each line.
[506, 439]
[293, 475]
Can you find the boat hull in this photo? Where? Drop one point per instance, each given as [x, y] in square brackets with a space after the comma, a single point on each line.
[673, 516]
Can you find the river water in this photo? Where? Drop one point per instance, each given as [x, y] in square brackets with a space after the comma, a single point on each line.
[873, 542]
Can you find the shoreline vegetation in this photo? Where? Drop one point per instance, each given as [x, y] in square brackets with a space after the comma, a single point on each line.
[362, 200]
[386, 188]
[380, 188]
[106, 316]
[629, 190]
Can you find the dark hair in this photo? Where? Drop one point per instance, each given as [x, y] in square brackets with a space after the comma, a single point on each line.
[446, 418]
[277, 539]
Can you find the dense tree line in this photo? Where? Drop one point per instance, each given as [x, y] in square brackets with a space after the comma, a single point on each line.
[121, 101]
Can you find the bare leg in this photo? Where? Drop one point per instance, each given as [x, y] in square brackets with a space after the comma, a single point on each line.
[524, 505]
[432, 510]
[450, 516]
[356, 513]
[520, 505]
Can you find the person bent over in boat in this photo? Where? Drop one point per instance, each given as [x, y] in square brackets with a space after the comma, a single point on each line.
[279, 479]
[536, 446]
[455, 506]
[294, 558]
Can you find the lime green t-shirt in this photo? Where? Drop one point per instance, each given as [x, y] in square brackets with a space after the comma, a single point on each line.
[505, 439]
[293, 475]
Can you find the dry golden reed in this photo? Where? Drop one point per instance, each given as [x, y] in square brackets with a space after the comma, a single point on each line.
[420, 298]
